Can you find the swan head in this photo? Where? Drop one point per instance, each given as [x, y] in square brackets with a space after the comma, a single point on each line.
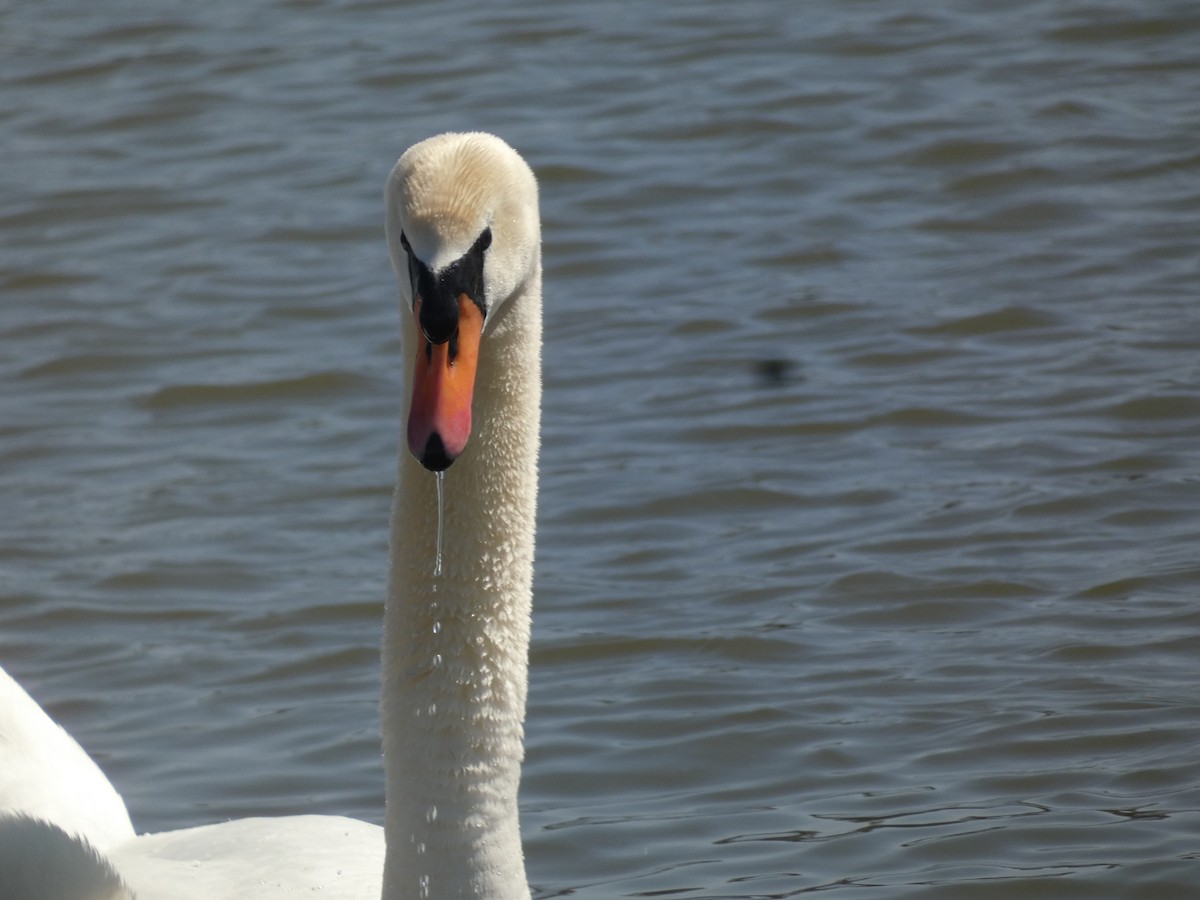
[464, 237]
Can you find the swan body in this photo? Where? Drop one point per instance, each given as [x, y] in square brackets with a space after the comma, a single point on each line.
[464, 238]
[41, 861]
[46, 775]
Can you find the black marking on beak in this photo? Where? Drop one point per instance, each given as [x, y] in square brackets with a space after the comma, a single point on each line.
[435, 458]
[440, 294]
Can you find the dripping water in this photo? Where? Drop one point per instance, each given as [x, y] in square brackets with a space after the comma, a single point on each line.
[441, 525]
[437, 568]
[431, 813]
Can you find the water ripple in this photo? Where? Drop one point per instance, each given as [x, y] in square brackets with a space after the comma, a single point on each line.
[868, 507]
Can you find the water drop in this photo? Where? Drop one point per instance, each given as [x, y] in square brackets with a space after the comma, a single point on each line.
[431, 814]
[441, 526]
[424, 882]
[437, 659]
[433, 709]
[437, 627]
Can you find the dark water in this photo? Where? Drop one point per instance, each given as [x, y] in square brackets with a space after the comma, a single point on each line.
[870, 487]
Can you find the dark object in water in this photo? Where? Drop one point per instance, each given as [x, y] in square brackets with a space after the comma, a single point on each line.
[776, 371]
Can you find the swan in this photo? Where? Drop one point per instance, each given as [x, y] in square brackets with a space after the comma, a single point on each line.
[40, 861]
[463, 233]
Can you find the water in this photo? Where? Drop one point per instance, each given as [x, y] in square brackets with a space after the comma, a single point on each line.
[441, 530]
[867, 557]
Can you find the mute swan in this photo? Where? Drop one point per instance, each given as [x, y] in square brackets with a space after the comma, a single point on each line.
[464, 238]
[40, 861]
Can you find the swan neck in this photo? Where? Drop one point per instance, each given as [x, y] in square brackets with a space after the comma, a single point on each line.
[455, 659]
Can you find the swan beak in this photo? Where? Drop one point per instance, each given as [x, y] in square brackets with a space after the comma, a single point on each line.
[439, 419]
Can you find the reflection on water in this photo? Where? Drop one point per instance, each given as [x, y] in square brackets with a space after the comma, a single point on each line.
[869, 499]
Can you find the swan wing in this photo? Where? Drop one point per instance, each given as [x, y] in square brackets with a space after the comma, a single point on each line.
[40, 861]
[46, 775]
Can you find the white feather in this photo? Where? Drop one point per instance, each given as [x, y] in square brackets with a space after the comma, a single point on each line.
[453, 697]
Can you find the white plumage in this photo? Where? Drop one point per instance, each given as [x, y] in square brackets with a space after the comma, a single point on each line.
[455, 647]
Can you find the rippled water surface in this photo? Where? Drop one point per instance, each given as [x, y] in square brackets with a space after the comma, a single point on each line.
[870, 487]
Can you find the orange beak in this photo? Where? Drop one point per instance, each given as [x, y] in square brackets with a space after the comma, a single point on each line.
[439, 419]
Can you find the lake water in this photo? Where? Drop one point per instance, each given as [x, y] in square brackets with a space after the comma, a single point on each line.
[870, 510]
